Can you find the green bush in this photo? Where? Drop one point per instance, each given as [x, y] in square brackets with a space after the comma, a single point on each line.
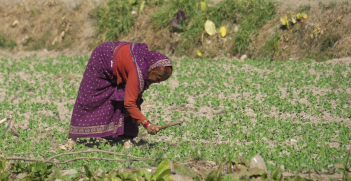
[115, 17]
[251, 14]
[271, 46]
[254, 13]
[6, 43]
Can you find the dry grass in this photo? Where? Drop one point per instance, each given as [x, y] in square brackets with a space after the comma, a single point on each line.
[323, 35]
[42, 24]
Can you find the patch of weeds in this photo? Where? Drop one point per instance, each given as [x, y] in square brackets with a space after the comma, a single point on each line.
[330, 5]
[328, 42]
[34, 43]
[317, 57]
[250, 14]
[304, 8]
[115, 18]
[254, 15]
[345, 3]
[334, 85]
[6, 43]
[271, 46]
[191, 28]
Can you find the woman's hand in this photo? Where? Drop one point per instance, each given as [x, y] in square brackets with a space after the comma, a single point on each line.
[152, 129]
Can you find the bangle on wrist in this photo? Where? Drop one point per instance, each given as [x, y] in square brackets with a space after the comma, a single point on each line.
[146, 124]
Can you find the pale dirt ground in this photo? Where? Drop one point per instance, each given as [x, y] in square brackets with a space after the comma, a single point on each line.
[286, 5]
[203, 111]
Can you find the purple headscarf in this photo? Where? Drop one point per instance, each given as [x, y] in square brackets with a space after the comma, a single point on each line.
[144, 61]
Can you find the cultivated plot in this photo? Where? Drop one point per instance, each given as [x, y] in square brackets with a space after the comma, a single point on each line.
[291, 113]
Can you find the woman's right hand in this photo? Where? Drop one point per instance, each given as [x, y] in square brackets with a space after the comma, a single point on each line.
[152, 129]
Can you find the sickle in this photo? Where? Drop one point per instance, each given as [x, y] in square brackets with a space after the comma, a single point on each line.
[8, 118]
[178, 122]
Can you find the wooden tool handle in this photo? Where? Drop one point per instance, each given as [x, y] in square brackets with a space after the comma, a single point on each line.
[2, 121]
[5, 119]
[171, 124]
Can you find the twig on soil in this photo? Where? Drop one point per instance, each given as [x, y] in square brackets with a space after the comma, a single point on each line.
[49, 160]
[74, 159]
[334, 45]
[97, 158]
[34, 160]
[43, 156]
[91, 151]
[30, 159]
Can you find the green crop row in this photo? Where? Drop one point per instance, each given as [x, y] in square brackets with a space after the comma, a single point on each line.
[254, 107]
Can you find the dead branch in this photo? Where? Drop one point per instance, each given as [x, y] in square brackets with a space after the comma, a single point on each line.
[42, 156]
[97, 158]
[91, 151]
[32, 160]
[74, 159]
[49, 160]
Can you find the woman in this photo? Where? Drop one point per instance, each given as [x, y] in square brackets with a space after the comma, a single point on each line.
[110, 94]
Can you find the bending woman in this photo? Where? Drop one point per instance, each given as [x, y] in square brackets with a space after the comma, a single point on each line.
[110, 94]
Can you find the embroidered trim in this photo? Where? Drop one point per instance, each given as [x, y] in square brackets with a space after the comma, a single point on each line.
[118, 125]
[114, 57]
[95, 129]
[161, 63]
[140, 75]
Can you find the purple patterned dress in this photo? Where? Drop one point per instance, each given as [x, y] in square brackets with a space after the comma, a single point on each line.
[99, 108]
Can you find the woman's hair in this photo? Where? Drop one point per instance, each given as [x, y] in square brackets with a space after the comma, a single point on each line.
[163, 72]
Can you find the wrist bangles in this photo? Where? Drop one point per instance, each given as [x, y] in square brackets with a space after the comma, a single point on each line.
[146, 124]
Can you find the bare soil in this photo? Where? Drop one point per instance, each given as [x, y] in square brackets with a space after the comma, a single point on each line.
[47, 19]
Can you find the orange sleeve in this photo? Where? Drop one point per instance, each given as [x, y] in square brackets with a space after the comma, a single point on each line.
[131, 97]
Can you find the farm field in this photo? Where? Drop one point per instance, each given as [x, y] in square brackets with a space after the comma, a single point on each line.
[292, 113]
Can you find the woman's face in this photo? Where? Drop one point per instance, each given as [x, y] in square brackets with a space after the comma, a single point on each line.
[152, 78]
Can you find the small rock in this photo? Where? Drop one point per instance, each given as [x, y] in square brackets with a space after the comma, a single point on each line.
[58, 180]
[73, 4]
[69, 172]
[127, 144]
[62, 147]
[133, 12]
[178, 177]
[54, 41]
[293, 140]
[99, 173]
[24, 40]
[243, 57]
[212, 163]
[15, 23]
[21, 176]
[82, 179]
[324, 170]
[236, 29]
[60, 37]
[258, 162]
